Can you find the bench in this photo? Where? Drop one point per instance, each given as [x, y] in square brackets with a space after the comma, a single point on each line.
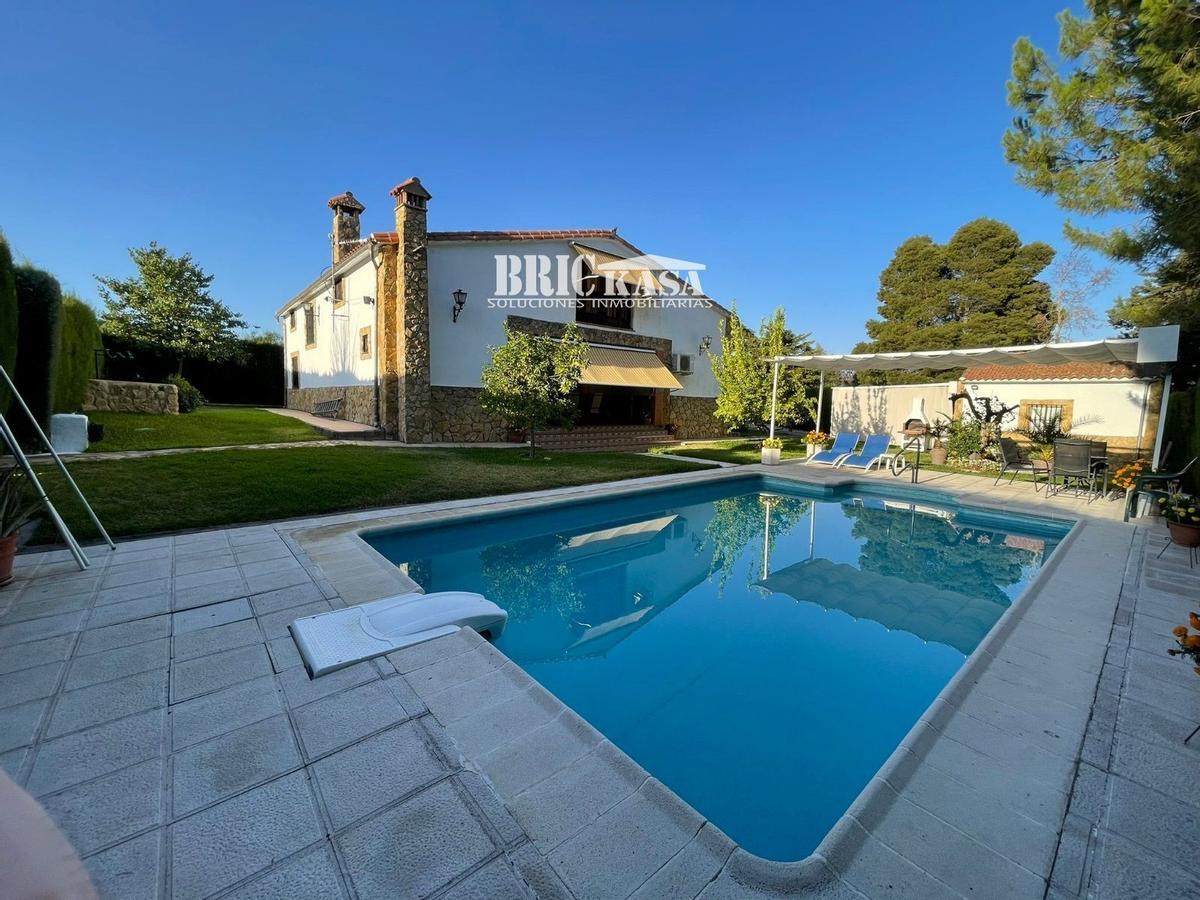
[328, 409]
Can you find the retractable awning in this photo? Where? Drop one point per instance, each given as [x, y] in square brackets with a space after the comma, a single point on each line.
[621, 367]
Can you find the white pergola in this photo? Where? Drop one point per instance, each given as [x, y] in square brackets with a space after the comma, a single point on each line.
[1154, 350]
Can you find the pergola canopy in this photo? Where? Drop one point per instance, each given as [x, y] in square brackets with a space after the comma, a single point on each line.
[1152, 346]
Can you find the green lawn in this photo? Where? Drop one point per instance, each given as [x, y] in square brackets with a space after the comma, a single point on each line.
[738, 450]
[223, 487]
[209, 426]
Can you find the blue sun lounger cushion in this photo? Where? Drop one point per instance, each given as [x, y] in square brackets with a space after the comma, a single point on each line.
[843, 445]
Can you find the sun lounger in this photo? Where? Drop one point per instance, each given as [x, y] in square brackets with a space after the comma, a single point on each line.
[872, 454]
[843, 445]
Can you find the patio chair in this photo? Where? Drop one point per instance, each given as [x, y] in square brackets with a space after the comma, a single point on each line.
[1100, 464]
[844, 443]
[1013, 460]
[872, 454]
[1073, 464]
[1144, 484]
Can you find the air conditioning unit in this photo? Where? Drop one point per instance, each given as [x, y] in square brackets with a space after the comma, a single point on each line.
[681, 363]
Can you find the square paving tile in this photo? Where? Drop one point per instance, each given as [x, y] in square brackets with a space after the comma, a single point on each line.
[35, 653]
[335, 721]
[106, 748]
[286, 598]
[129, 871]
[223, 844]
[111, 700]
[416, 848]
[36, 629]
[311, 876]
[129, 610]
[18, 724]
[109, 665]
[377, 771]
[211, 640]
[300, 689]
[123, 635]
[104, 811]
[210, 616]
[206, 717]
[232, 763]
[29, 684]
[193, 677]
[39, 607]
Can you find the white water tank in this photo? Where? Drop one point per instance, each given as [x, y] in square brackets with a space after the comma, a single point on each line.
[68, 432]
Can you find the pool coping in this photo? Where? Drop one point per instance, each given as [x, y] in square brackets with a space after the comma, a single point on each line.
[358, 573]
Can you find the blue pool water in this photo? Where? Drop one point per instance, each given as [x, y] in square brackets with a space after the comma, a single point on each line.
[758, 646]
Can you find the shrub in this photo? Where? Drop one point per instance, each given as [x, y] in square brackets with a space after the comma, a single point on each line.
[39, 308]
[8, 320]
[963, 438]
[77, 354]
[190, 398]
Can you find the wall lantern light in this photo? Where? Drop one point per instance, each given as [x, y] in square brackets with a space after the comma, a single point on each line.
[705, 344]
[460, 300]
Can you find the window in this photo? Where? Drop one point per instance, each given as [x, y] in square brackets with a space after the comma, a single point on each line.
[292, 320]
[1037, 415]
[295, 371]
[364, 343]
[310, 327]
[339, 292]
[597, 308]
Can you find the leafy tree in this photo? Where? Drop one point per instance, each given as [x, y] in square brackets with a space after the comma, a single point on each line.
[79, 343]
[980, 289]
[744, 377]
[1116, 131]
[167, 304]
[530, 379]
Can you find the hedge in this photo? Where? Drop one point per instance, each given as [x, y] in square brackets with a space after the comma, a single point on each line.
[8, 320]
[39, 308]
[77, 354]
[1182, 430]
[253, 377]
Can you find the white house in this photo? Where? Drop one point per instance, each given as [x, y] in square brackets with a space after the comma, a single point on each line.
[399, 328]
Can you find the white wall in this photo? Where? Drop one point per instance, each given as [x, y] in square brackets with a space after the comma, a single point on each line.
[1103, 408]
[335, 360]
[883, 409]
[459, 350]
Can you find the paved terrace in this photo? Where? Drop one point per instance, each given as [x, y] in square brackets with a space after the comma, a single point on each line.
[156, 707]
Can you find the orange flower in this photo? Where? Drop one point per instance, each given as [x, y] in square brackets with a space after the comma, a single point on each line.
[1194, 620]
[1180, 632]
[1192, 642]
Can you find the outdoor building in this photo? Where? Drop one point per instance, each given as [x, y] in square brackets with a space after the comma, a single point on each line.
[400, 327]
[1113, 402]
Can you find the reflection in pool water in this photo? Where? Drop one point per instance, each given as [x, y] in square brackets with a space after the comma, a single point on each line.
[758, 649]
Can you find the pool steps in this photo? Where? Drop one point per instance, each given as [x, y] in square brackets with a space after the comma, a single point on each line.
[334, 640]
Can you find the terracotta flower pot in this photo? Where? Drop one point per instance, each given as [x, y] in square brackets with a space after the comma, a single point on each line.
[8, 550]
[1182, 534]
[937, 456]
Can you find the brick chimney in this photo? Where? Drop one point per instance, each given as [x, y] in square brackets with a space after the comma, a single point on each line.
[410, 320]
[346, 234]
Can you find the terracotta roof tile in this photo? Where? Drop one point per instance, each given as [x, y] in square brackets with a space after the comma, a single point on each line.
[1076, 371]
[572, 234]
[347, 200]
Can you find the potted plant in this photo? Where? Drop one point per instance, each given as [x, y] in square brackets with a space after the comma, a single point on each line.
[772, 448]
[16, 508]
[1182, 512]
[1188, 647]
[815, 441]
[936, 431]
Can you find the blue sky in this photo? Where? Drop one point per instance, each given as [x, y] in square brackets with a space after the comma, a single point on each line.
[789, 147]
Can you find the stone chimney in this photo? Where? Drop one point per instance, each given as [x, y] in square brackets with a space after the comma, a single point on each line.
[409, 320]
[346, 234]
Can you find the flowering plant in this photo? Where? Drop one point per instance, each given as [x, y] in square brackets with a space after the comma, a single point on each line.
[1126, 476]
[816, 437]
[1189, 644]
[1181, 508]
[772, 444]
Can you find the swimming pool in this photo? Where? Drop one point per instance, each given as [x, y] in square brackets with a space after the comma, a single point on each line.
[758, 645]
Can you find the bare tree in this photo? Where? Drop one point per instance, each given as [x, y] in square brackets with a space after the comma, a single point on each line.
[1074, 281]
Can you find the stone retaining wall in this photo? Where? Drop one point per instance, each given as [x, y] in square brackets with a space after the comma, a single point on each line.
[458, 416]
[694, 418]
[103, 395]
[358, 400]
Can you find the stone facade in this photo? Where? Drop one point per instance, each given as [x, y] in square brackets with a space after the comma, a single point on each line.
[457, 415]
[346, 234]
[358, 401]
[694, 418]
[131, 396]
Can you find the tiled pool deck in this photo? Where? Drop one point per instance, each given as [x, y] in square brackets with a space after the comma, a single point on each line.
[156, 706]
